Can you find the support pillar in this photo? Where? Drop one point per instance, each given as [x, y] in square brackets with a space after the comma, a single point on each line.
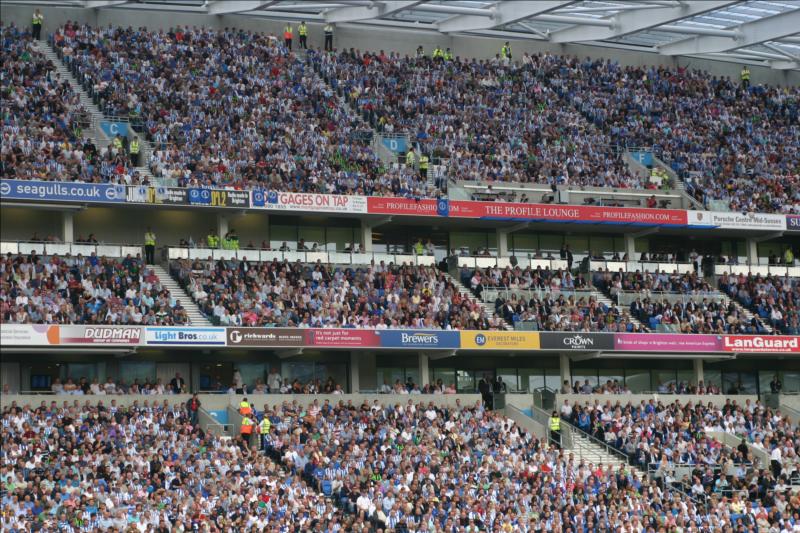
[752, 251]
[68, 226]
[355, 382]
[630, 247]
[424, 370]
[564, 370]
[222, 226]
[698, 371]
[502, 243]
[366, 236]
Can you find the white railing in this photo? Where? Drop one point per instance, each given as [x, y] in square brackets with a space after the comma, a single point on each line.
[628, 297]
[573, 189]
[64, 248]
[759, 270]
[490, 294]
[646, 266]
[339, 258]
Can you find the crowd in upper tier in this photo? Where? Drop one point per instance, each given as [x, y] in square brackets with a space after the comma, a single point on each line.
[491, 120]
[231, 108]
[43, 122]
[36, 289]
[233, 292]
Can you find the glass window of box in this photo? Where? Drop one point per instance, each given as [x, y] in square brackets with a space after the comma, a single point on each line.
[465, 381]
[550, 243]
[663, 379]
[312, 235]
[251, 372]
[712, 377]
[447, 375]
[686, 377]
[76, 371]
[522, 244]
[280, 234]
[612, 375]
[337, 239]
[791, 382]
[638, 380]
[583, 375]
[337, 371]
[510, 378]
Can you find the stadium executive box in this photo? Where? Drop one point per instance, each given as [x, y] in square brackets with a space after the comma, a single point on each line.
[44, 191]
[23, 335]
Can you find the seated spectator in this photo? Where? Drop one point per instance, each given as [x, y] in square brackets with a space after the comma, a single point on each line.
[377, 296]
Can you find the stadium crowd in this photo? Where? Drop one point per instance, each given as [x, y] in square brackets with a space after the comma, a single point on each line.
[236, 109]
[699, 310]
[234, 292]
[490, 120]
[43, 121]
[36, 289]
[665, 437]
[774, 299]
[732, 143]
[332, 467]
[148, 467]
[231, 109]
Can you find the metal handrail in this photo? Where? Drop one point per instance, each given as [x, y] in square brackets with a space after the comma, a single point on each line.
[99, 243]
[594, 440]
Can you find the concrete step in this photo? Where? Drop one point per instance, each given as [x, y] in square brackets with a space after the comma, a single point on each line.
[748, 314]
[196, 317]
[592, 452]
[87, 104]
[602, 298]
[488, 309]
[96, 113]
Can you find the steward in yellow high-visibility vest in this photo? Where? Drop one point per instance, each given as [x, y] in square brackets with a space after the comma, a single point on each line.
[438, 53]
[745, 75]
[134, 151]
[555, 428]
[448, 55]
[423, 165]
[287, 36]
[505, 52]
[36, 24]
[117, 143]
[244, 408]
[302, 31]
[149, 247]
[411, 158]
[212, 239]
[263, 430]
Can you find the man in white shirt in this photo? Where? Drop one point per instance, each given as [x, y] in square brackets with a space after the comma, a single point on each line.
[274, 380]
[776, 460]
[566, 410]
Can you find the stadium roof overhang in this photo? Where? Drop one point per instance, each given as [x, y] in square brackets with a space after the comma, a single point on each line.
[756, 32]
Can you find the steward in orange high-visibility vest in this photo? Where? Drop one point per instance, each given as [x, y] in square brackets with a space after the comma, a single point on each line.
[247, 426]
[287, 36]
